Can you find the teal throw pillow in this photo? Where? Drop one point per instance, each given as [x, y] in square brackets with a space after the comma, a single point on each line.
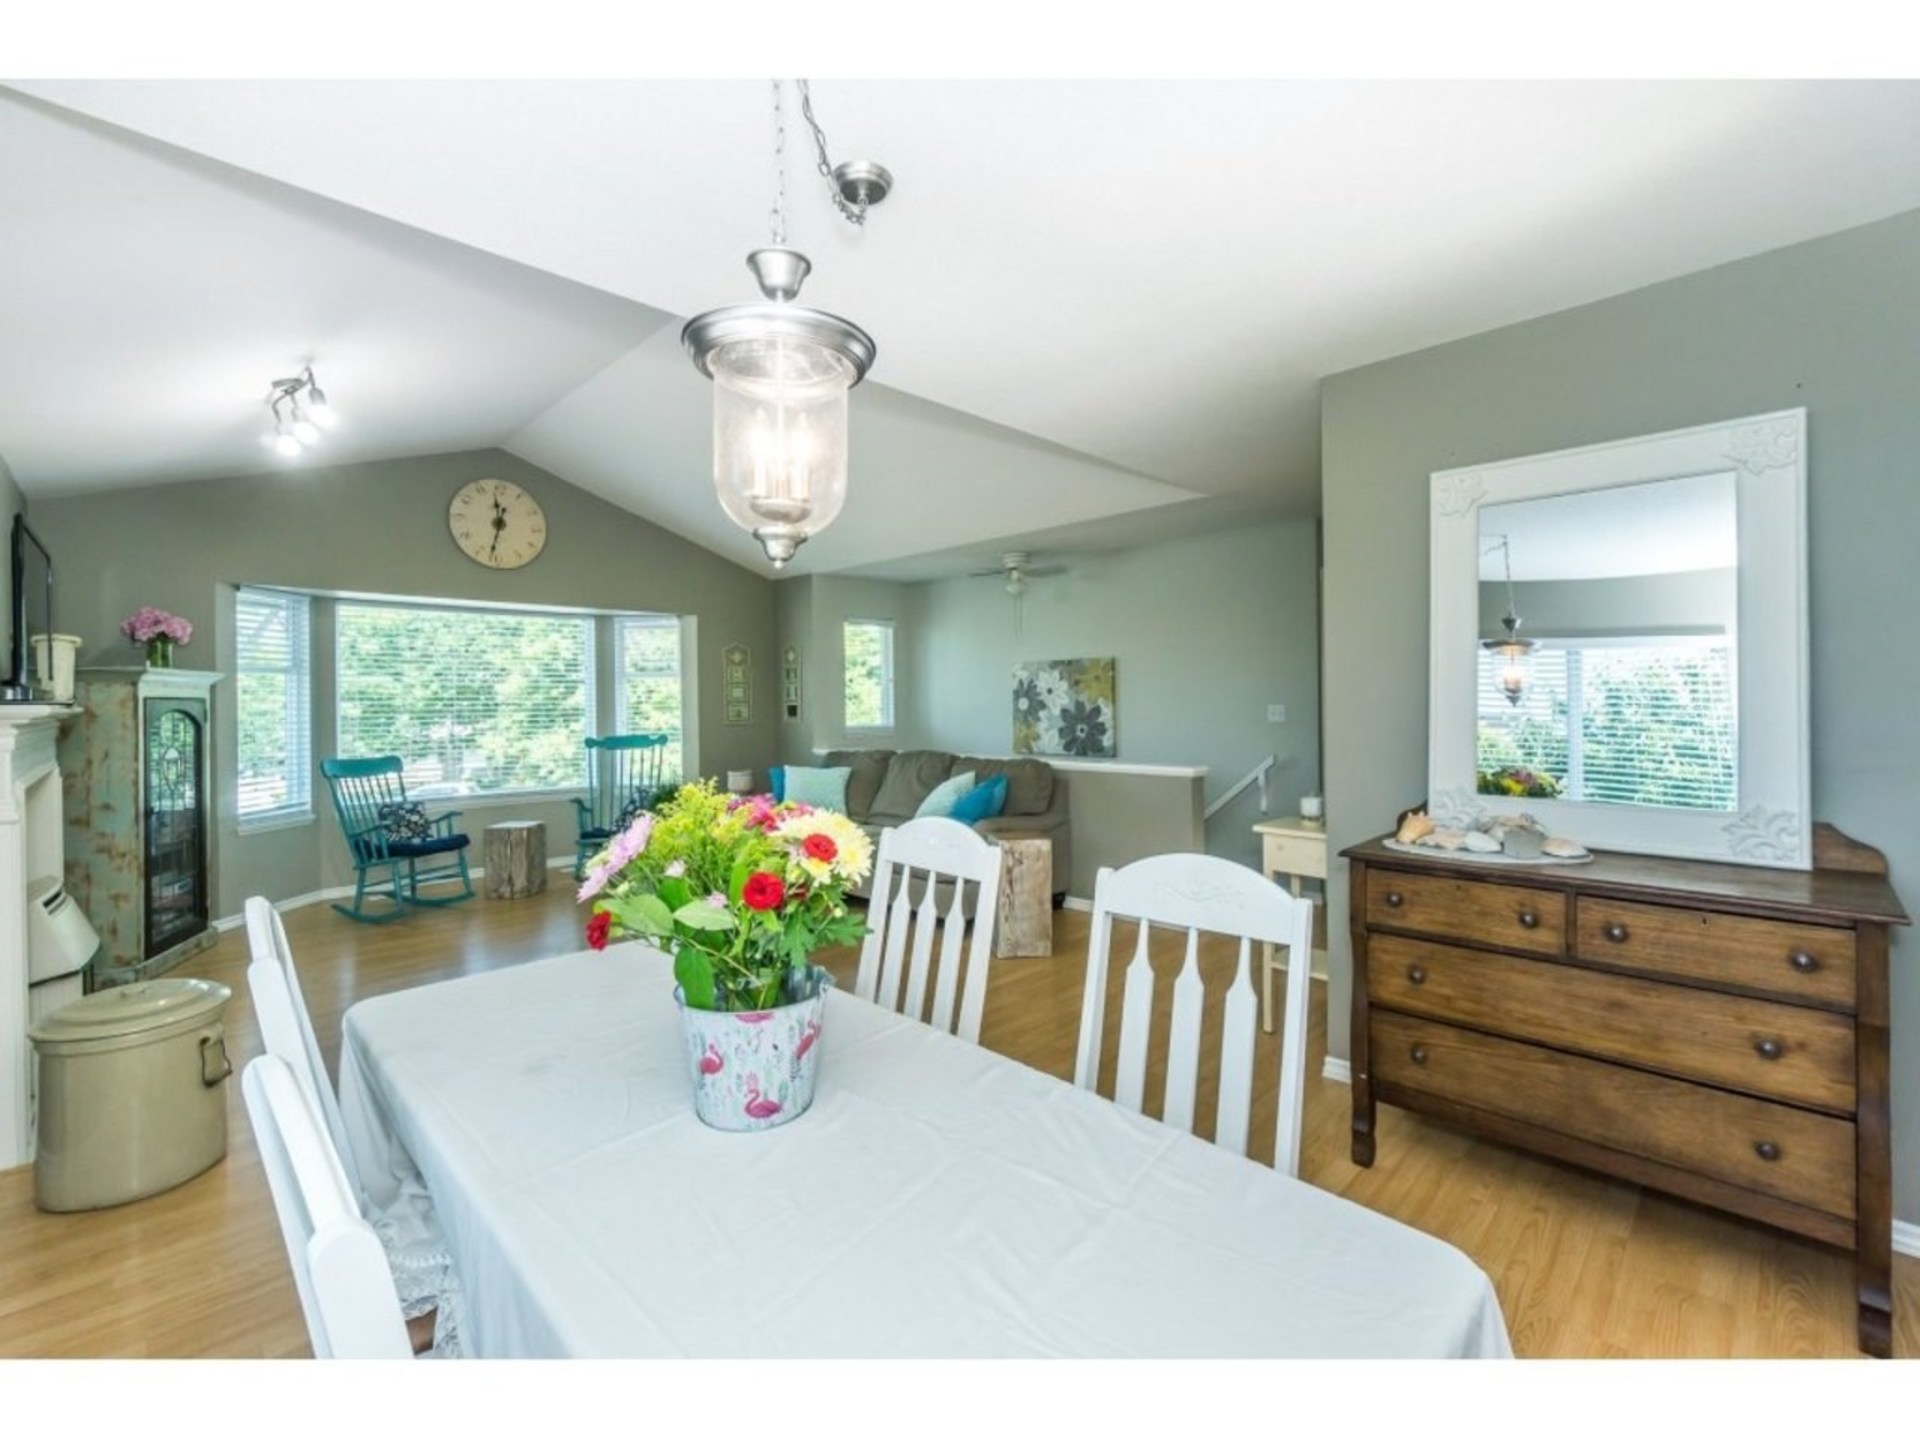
[822, 789]
[984, 801]
[777, 783]
[944, 796]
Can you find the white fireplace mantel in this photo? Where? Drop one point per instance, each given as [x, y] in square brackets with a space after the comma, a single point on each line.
[31, 844]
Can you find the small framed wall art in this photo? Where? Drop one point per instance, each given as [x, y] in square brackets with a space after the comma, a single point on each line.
[790, 682]
[736, 677]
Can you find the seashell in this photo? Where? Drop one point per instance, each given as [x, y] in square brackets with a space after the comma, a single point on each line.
[1413, 827]
[1522, 843]
[1559, 845]
[1446, 839]
[1481, 843]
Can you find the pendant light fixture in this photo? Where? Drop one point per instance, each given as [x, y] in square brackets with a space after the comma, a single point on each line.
[781, 372]
[1512, 650]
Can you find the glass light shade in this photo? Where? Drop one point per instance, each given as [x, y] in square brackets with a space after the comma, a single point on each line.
[305, 431]
[320, 412]
[780, 437]
[1513, 666]
[287, 443]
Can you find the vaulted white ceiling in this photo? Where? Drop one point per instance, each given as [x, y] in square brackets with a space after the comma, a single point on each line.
[1102, 308]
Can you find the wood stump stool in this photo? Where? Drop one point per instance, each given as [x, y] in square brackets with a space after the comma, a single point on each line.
[516, 859]
[1025, 917]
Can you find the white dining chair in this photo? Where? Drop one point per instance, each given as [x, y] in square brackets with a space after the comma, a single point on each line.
[339, 1266]
[1200, 894]
[933, 851]
[421, 1265]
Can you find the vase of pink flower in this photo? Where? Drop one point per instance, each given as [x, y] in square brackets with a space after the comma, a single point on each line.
[742, 891]
[159, 632]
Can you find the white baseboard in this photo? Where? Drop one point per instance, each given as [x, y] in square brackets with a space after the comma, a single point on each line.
[1074, 902]
[345, 892]
[1337, 1070]
[1906, 1238]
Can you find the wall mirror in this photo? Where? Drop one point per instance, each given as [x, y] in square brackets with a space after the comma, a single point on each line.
[1619, 643]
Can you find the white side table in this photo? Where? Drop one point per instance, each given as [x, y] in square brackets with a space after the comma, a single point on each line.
[1294, 848]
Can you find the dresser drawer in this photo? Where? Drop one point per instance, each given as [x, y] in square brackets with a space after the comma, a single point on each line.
[1518, 917]
[1811, 964]
[1783, 1052]
[1791, 1154]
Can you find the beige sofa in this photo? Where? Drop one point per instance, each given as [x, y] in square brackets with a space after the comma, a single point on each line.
[887, 786]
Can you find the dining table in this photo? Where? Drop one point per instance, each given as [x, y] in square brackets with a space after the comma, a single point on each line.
[937, 1200]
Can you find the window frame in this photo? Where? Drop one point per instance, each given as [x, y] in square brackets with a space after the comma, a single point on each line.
[590, 659]
[299, 808]
[622, 723]
[889, 679]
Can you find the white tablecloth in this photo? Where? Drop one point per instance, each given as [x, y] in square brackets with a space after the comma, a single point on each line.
[937, 1200]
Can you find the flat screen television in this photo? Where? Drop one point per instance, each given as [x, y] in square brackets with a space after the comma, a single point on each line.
[32, 609]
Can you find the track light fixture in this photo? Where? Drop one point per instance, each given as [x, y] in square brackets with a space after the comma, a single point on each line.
[300, 413]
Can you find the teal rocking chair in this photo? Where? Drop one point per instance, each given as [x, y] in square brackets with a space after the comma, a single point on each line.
[395, 846]
[623, 772]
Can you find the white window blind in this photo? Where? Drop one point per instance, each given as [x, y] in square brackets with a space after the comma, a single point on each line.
[651, 695]
[1628, 721]
[274, 695]
[473, 701]
[868, 646]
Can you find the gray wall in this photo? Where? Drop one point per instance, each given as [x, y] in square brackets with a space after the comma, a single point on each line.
[1206, 632]
[381, 529]
[811, 613]
[1830, 325]
[1691, 602]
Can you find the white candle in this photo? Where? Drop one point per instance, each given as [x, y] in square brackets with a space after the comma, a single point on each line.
[1310, 807]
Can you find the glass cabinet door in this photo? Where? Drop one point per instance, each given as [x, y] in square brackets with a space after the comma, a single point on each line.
[175, 768]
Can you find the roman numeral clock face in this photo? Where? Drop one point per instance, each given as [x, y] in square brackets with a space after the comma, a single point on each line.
[497, 523]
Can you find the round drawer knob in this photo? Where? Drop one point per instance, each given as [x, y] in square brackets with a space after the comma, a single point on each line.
[1767, 1150]
[1803, 962]
[1395, 900]
[1417, 974]
[1769, 1049]
[1616, 932]
[1419, 1053]
[1528, 920]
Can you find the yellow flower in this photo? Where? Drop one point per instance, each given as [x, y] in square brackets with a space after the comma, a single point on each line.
[852, 850]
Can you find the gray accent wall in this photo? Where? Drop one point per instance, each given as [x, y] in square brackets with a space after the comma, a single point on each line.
[381, 529]
[1830, 325]
[812, 612]
[1206, 633]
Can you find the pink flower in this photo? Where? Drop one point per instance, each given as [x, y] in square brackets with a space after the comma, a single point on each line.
[677, 869]
[717, 900]
[148, 623]
[596, 880]
[631, 841]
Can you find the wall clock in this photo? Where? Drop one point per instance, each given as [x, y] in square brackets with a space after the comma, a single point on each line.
[497, 523]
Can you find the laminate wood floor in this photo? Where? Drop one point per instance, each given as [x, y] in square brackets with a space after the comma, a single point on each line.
[1584, 1266]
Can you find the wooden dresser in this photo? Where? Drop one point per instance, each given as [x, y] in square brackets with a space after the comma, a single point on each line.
[1715, 1031]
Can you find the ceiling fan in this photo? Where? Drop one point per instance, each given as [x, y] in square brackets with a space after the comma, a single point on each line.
[1017, 566]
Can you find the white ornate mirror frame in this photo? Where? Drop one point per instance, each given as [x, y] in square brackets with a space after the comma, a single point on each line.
[1770, 823]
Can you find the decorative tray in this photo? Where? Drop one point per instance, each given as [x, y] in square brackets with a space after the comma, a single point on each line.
[1475, 857]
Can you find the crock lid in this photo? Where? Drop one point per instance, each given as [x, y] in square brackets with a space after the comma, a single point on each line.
[133, 1009]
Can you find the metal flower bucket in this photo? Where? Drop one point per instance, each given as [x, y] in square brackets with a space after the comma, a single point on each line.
[754, 1069]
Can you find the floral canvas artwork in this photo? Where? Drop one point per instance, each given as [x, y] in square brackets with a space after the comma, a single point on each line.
[1064, 707]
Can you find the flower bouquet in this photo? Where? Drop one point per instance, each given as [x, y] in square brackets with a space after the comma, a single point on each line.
[158, 631]
[1520, 782]
[741, 891]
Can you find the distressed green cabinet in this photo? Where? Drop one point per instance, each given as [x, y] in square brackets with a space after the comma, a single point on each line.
[139, 815]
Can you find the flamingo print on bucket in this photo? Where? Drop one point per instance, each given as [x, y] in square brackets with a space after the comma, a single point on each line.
[758, 1106]
[807, 1037]
[710, 1062]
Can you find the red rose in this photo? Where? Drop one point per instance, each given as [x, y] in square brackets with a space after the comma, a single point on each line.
[597, 929]
[763, 891]
[820, 847]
